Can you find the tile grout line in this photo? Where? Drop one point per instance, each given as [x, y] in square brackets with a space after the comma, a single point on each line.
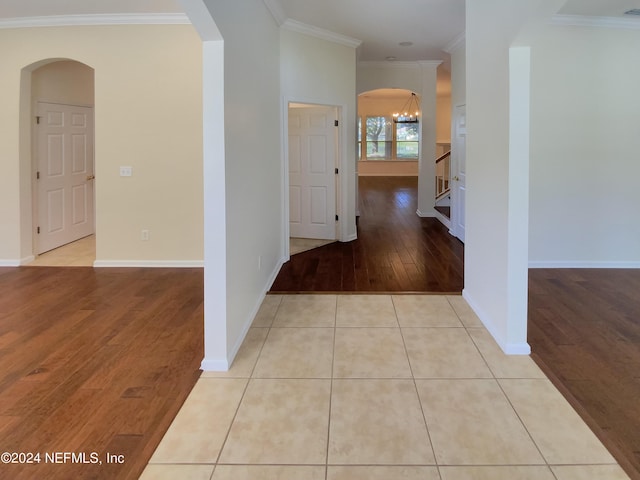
[333, 357]
[415, 386]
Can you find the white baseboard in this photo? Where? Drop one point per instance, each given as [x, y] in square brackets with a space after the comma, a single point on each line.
[426, 214]
[210, 365]
[149, 263]
[443, 220]
[214, 365]
[29, 259]
[350, 238]
[9, 263]
[520, 348]
[582, 264]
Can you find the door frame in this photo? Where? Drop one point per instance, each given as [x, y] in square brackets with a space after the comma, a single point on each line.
[455, 157]
[341, 177]
[35, 164]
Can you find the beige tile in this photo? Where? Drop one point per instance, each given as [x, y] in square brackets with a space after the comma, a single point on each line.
[267, 311]
[501, 364]
[496, 473]
[198, 431]
[381, 473]
[365, 311]
[296, 353]
[306, 311]
[370, 353]
[171, 472]
[246, 358]
[472, 423]
[443, 353]
[268, 472]
[425, 311]
[561, 435]
[377, 422]
[589, 472]
[280, 422]
[466, 314]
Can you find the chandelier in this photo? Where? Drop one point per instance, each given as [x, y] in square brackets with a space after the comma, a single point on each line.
[409, 112]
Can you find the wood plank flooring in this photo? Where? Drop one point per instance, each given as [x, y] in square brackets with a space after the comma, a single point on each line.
[584, 332]
[396, 251]
[95, 360]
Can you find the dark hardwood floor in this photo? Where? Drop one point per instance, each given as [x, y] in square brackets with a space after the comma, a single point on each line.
[584, 332]
[94, 360]
[396, 251]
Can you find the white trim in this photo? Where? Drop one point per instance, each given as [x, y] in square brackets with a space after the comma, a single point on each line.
[349, 238]
[295, 26]
[430, 214]
[276, 11]
[99, 19]
[27, 259]
[586, 21]
[395, 64]
[214, 365]
[9, 263]
[223, 365]
[581, 264]
[150, 263]
[508, 348]
[458, 42]
[443, 220]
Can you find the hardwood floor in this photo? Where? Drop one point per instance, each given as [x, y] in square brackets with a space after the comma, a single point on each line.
[584, 331]
[95, 360]
[396, 251]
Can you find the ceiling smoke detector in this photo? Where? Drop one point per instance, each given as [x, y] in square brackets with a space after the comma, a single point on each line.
[633, 11]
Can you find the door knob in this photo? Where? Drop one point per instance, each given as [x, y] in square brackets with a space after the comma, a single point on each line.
[90, 177]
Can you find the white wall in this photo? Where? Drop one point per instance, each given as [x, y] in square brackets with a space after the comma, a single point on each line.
[252, 165]
[419, 77]
[497, 168]
[148, 115]
[584, 150]
[317, 71]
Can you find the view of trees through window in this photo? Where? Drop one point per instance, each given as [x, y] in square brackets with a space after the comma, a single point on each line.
[386, 140]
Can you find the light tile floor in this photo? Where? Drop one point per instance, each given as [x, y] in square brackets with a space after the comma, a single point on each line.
[81, 253]
[376, 387]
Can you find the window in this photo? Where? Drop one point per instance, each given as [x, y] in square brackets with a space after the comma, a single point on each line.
[407, 141]
[379, 138]
[386, 140]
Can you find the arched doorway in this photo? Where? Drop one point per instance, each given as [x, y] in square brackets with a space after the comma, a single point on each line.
[58, 99]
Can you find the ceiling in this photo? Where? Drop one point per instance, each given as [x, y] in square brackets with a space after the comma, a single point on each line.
[425, 27]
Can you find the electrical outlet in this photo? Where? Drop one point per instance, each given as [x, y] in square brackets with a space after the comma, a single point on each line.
[144, 235]
[126, 171]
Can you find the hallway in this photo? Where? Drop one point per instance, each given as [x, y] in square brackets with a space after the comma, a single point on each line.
[396, 251]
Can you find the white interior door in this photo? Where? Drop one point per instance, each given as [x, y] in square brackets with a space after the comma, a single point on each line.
[312, 177]
[65, 177]
[459, 172]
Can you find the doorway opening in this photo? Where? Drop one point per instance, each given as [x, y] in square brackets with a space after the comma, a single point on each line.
[58, 98]
[312, 167]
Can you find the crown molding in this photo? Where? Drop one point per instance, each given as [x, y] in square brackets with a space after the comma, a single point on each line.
[299, 27]
[396, 64]
[455, 44]
[586, 21]
[99, 19]
[276, 11]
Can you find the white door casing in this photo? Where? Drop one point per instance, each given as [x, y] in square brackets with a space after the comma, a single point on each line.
[65, 175]
[459, 172]
[312, 176]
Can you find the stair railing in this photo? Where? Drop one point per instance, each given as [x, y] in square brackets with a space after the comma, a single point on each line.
[443, 175]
